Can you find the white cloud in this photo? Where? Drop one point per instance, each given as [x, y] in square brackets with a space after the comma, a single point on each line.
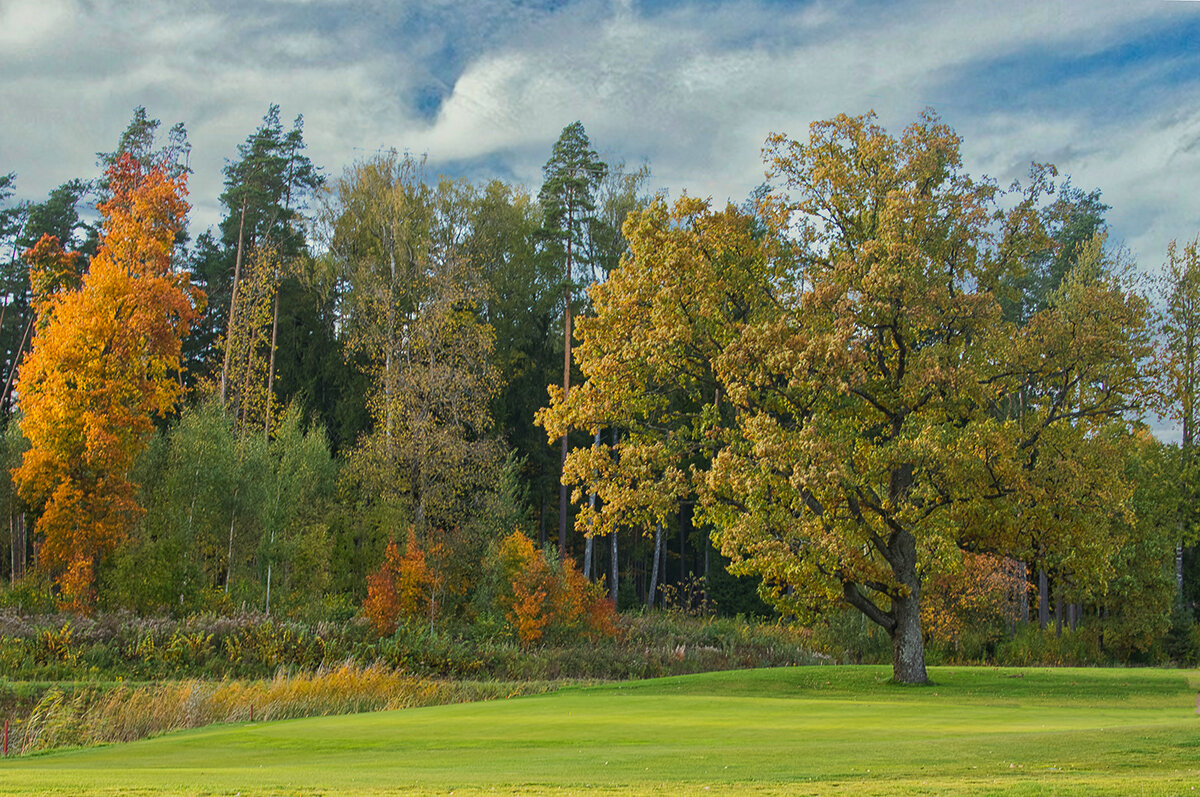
[694, 89]
[28, 24]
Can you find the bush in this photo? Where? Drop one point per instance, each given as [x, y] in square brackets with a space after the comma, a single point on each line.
[548, 599]
[402, 589]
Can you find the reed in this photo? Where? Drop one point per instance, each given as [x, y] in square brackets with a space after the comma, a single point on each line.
[123, 713]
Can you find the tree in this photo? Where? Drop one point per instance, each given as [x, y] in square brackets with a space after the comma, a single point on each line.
[264, 191]
[1179, 287]
[413, 307]
[138, 140]
[104, 360]
[853, 444]
[377, 218]
[570, 179]
[28, 225]
[702, 276]
[618, 195]
[522, 291]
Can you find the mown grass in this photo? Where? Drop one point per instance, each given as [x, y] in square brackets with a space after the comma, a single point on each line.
[807, 730]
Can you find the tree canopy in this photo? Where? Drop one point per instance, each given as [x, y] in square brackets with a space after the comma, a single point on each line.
[844, 420]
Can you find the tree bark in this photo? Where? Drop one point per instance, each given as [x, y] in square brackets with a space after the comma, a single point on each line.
[542, 521]
[658, 533]
[12, 371]
[612, 585]
[1179, 573]
[682, 548]
[229, 557]
[271, 369]
[589, 544]
[20, 545]
[908, 641]
[237, 272]
[562, 486]
[1058, 607]
[1043, 599]
[1023, 596]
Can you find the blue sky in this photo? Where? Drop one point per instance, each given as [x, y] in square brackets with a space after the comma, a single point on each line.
[1108, 90]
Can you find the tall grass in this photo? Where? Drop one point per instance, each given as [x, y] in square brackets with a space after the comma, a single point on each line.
[95, 715]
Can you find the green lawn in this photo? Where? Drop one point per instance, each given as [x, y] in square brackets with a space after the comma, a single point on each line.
[810, 730]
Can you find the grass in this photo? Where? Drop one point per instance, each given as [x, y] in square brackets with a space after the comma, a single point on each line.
[806, 730]
[88, 714]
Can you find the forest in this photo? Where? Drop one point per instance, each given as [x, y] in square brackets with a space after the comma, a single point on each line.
[881, 402]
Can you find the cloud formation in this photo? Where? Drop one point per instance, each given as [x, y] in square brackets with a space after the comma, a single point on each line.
[1104, 88]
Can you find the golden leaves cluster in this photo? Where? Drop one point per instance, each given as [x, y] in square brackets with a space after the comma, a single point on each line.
[831, 374]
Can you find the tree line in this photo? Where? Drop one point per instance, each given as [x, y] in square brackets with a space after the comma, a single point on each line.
[365, 353]
[876, 382]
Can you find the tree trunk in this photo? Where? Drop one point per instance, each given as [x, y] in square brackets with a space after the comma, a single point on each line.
[542, 521]
[1179, 573]
[908, 643]
[682, 548]
[654, 568]
[12, 372]
[1058, 608]
[271, 550]
[1023, 596]
[389, 349]
[271, 369]
[1043, 599]
[562, 501]
[587, 558]
[589, 544]
[229, 559]
[237, 272]
[612, 585]
[20, 545]
[562, 486]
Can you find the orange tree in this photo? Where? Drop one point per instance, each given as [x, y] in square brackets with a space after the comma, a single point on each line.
[404, 588]
[541, 598]
[105, 359]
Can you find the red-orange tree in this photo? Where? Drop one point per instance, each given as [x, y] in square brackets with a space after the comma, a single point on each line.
[105, 359]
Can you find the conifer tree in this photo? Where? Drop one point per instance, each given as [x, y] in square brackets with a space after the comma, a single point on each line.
[568, 196]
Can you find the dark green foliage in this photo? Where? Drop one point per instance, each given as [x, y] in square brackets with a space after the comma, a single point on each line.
[270, 183]
[1137, 605]
[570, 180]
[1069, 221]
[59, 216]
[138, 140]
[21, 228]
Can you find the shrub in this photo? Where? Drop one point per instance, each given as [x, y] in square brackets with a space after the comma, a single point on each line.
[403, 588]
[543, 598]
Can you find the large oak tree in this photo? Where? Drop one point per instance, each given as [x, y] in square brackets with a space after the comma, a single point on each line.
[833, 377]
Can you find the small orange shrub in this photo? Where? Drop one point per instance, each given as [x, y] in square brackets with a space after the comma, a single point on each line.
[539, 599]
[401, 589]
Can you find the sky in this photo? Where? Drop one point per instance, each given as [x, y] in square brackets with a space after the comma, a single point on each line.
[1107, 90]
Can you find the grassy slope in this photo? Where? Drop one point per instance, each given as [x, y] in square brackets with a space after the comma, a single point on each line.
[785, 731]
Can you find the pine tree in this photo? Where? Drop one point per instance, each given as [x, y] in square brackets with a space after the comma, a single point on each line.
[568, 196]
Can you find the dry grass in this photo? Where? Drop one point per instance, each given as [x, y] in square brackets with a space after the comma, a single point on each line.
[126, 713]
